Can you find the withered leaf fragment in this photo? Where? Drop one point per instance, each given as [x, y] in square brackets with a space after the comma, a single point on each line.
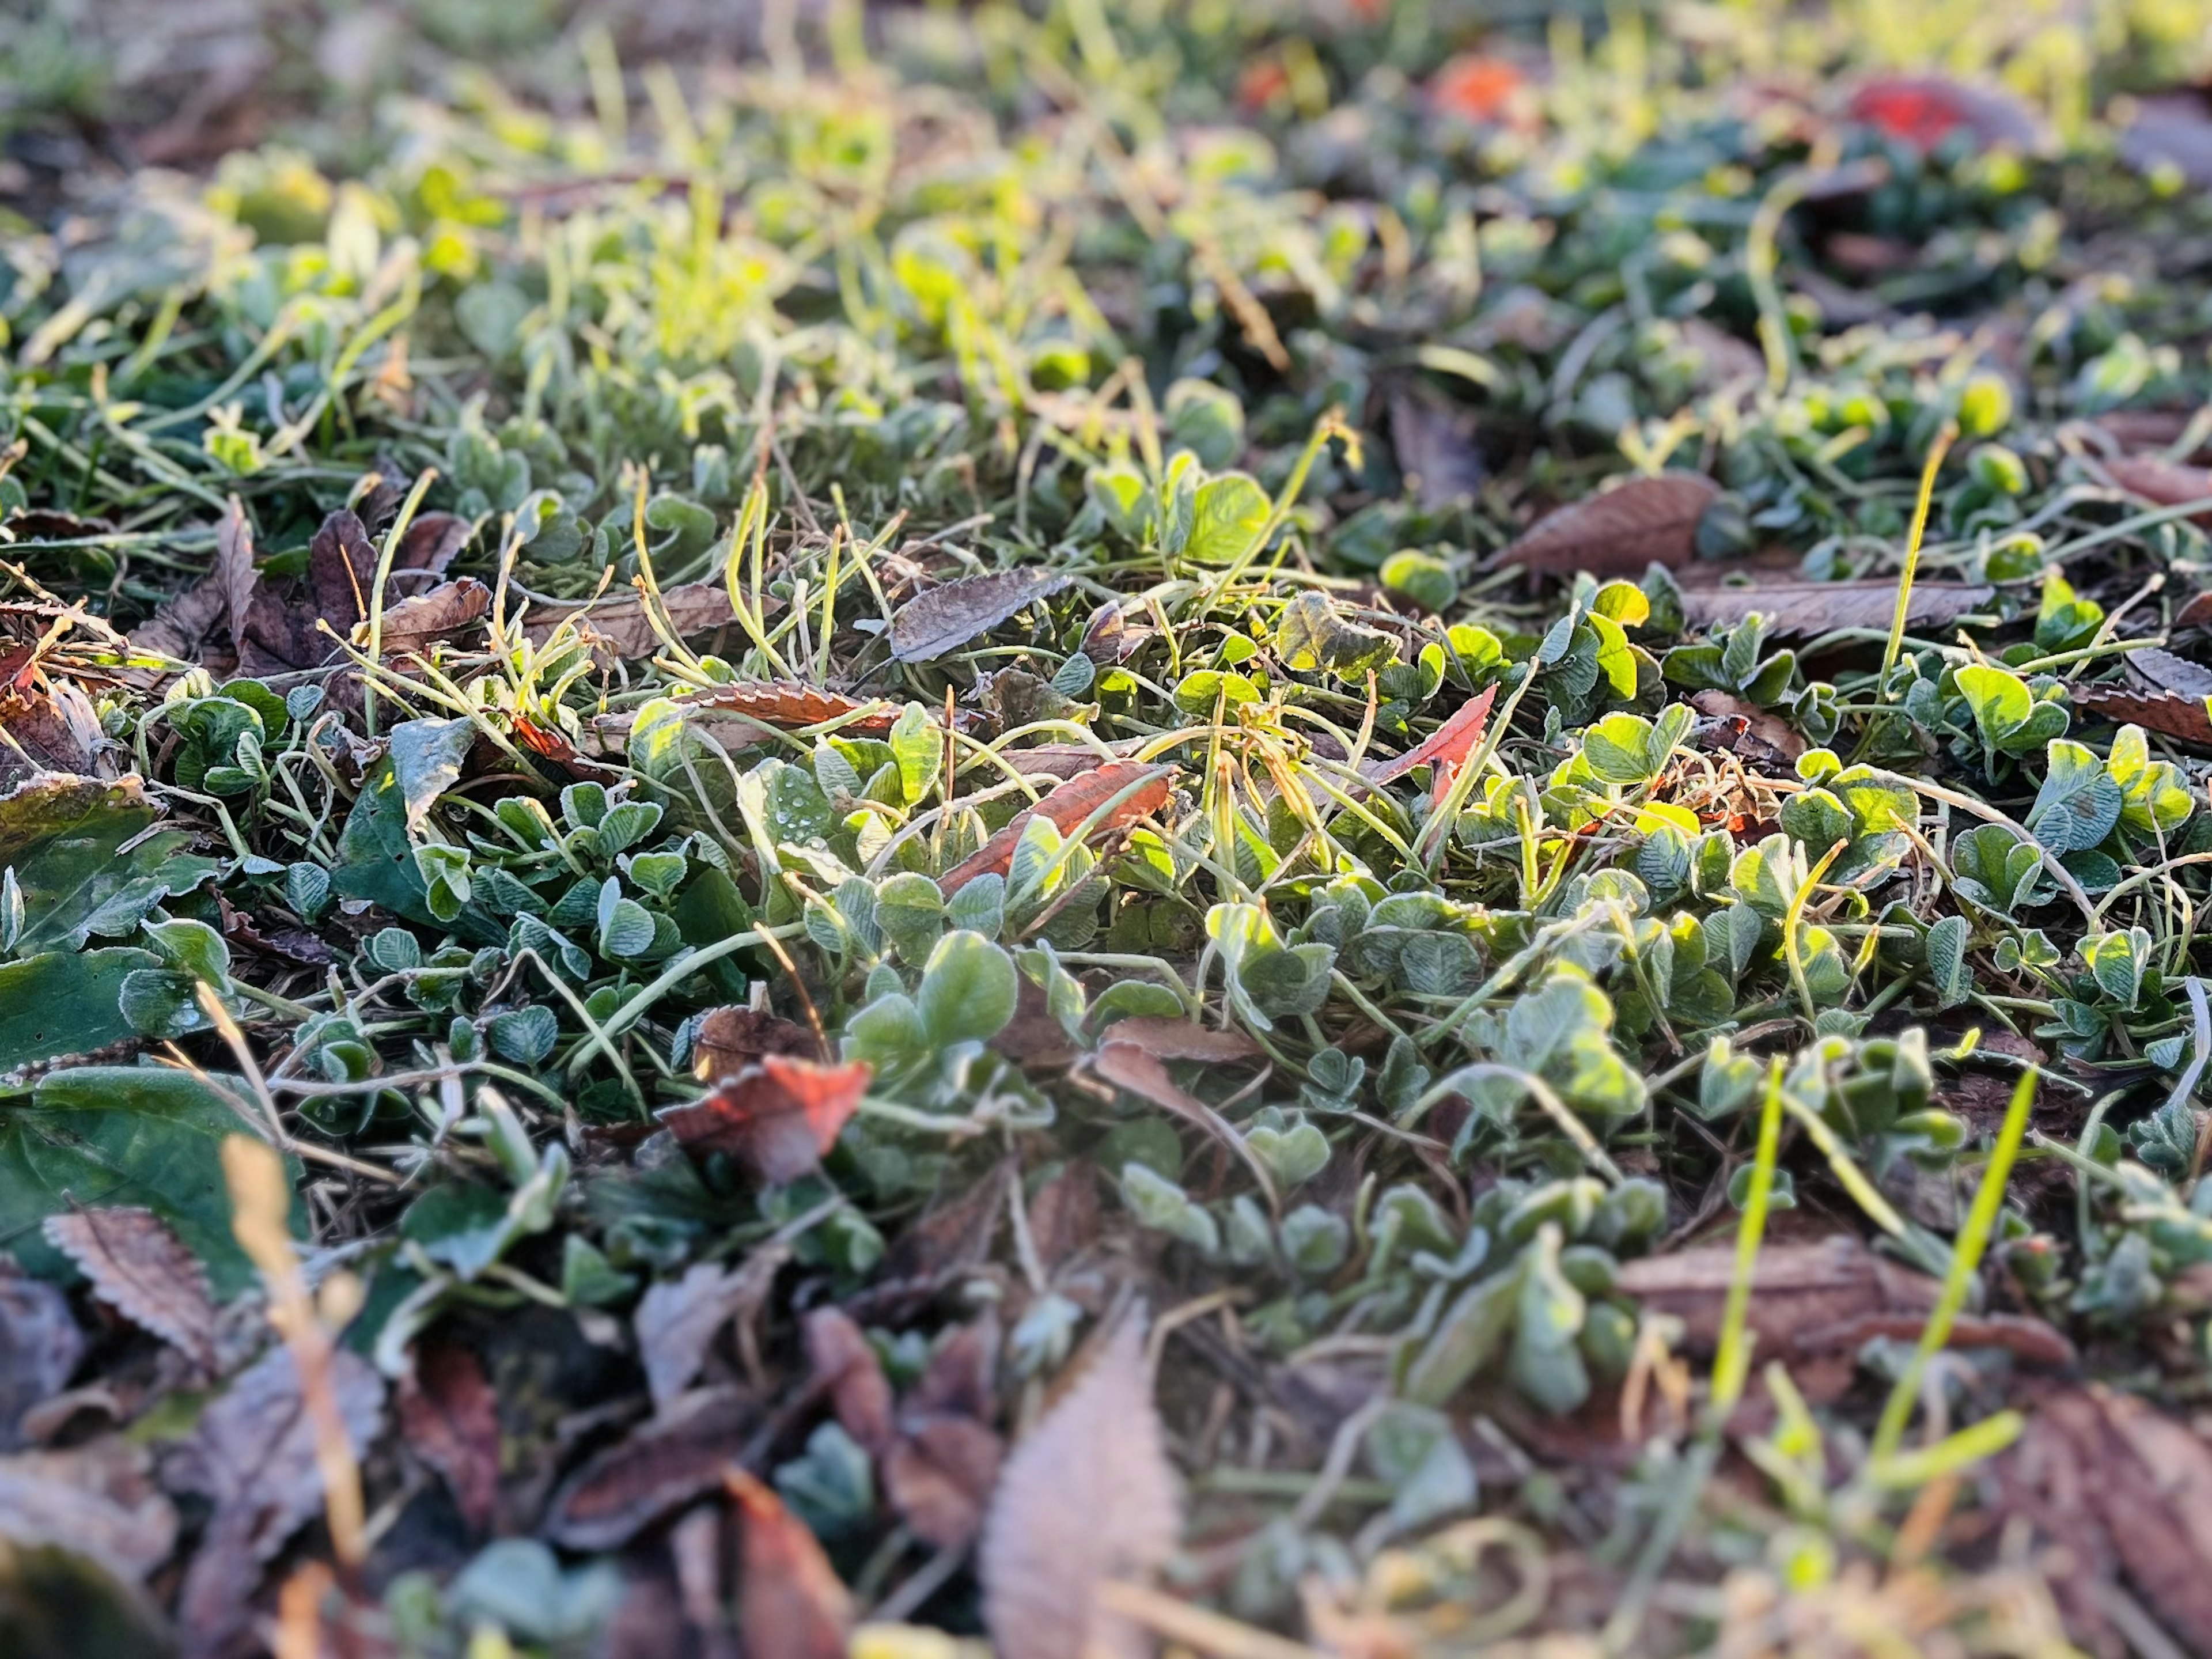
[450, 1419]
[1087, 1498]
[1124, 791]
[792, 1605]
[1618, 532]
[779, 1115]
[946, 618]
[655, 1472]
[1800, 608]
[142, 1269]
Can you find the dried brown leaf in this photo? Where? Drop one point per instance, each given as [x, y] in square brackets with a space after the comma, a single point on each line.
[39, 1347]
[622, 627]
[1771, 730]
[731, 1038]
[1089, 1496]
[780, 1115]
[2164, 671]
[1064, 1214]
[939, 1474]
[1178, 1039]
[785, 704]
[142, 1269]
[254, 1454]
[1805, 608]
[98, 1499]
[677, 1321]
[846, 1364]
[1821, 1298]
[204, 624]
[450, 1419]
[946, 617]
[1139, 788]
[1618, 532]
[2171, 130]
[2127, 1490]
[792, 1605]
[1436, 447]
[2163, 483]
[437, 617]
[1446, 748]
[2173, 706]
[654, 1472]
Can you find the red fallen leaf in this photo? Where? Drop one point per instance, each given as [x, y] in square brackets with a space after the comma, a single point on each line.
[787, 703]
[1261, 84]
[551, 744]
[1476, 88]
[844, 1363]
[779, 1115]
[1923, 110]
[2163, 483]
[1140, 788]
[792, 1605]
[2169, 714]
[662, 1467]
[1644, 520]
[449, 1418]
[1445, 748]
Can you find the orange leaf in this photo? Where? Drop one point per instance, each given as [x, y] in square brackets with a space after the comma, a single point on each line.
[787, 702]
[780, 1115]
[1067, 808]
[1476, 88]
[1447, 747]
[793, 1605]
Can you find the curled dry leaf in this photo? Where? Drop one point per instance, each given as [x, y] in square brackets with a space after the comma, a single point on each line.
[654, 1472]
[787, 704]
[1446, 748]
[1178, 1039]
[1117, 794]
[142, 1269]
[1618, 532]
[780, 1115]
[449, 1418]
[941, 1470]
[1088, 1497]
[790, 1605]
[39, 1347]
[1797, 608]
[1822, 1298]
[731, 1039]
[946, 618]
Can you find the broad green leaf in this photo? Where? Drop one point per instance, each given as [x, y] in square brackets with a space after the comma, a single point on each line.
[426, 761]
[1229, 512]
[969, 989]
[65, 838]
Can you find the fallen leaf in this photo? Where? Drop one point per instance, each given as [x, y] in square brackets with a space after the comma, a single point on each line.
[1144, 1075]
[1178, 1039]
[844, 1363]
[730, 1038]
[253, 1454]
[2144, 428]
[1821, 1298]
[2163, 483]
[1063, 1215]
[98, 1499]
[140, 1267]
[2128, 1491]
[1923, 110]
[1434, 443]
[780, 1115]
[204, 624]
[1140, 789]
[621, 625]
[1771, 730]
[39, 1347]
[1446, 748]
[450, 1419]
[1476, 88]
[1087, 1497]
[1803, 607]
[281, 631]
[677, 1321]
[2171, 130]
[437, 617]
[655, 1472]
[2173, 705]
[934, 622]
[1643, 521]
[939, 1474]
[51, 726]
[2197, 613]
[791, 1603]
[786, 704]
